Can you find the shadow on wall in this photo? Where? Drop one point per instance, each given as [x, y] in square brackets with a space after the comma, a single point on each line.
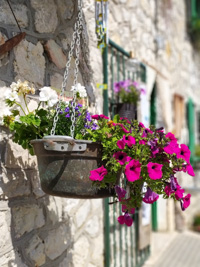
[34, 229]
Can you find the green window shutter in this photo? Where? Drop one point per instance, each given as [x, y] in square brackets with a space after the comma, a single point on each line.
[193, 9]
[191, 122]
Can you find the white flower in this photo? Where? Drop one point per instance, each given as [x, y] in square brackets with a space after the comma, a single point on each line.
[4, 111]
[11, 95]
[79, 89]
[48, 95]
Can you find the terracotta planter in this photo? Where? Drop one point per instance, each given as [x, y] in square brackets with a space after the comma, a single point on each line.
[64, 167]
[127, 110]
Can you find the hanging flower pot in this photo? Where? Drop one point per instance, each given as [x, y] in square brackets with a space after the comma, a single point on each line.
[127, 110]
[64, 167]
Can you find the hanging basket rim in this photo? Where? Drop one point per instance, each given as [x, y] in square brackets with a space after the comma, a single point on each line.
[63, 138]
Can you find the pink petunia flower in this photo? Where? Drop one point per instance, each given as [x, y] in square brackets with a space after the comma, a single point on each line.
[125, 119]
[190, 170]
[98, 174]
[179, 193]
[154, 170]
[185, 202]
[129, 140]
[133, 170]
[184, 153]
[125, 219]
[172, 148]
[150, 196]
[124, 129]
[125, 209]
[142, 142]
[171, 137]
[98, 117]
[145, 132]
[141, 125]
[121, 144]
[102, 116]
[121, 157]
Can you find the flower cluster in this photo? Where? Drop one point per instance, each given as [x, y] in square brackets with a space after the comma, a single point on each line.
[149, 159]
[28, 125]
[128, 91]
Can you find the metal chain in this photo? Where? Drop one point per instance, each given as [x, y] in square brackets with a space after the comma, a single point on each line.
[75, 40]
[80, 27]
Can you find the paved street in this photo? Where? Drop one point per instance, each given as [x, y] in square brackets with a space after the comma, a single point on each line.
[175, 250]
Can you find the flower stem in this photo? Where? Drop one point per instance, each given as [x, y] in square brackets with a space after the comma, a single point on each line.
[20, 107]
[24, 96]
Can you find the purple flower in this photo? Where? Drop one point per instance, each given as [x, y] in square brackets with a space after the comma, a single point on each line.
[98, 174]
[94, 126]
[133, 170]
[150, 196]
[68, 115]
[67, 109]
[88, 116]
[154, 170]
[120, 192]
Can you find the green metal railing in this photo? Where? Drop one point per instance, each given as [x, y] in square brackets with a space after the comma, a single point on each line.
[121, 242]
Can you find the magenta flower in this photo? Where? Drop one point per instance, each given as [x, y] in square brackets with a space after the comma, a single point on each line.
[185, 202]
[102, 116]
[141, 125]
[98, 117]
[190, 170]
[142, 142]
[123, 128]
[120, 192]
[125, 219]
[172, 148]
[133, 170]
[125, 209]
[121, 144]
[146, 131]
[98, 174]
[179, 193]
[184, 153]
[121, 157]
[150, 196]
[129, 140]
[125, 119]
[171, 137]
[154, 170]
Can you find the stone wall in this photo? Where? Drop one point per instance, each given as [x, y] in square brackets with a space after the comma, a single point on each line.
[37, 229]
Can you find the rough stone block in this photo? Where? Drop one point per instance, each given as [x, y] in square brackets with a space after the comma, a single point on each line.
[54, 210]
[82, 213]
[14, 183]
[66, 9]
[5, 235]
[20, 13]
[57, 241]
[16, 156]
[56, 80]
[36, 186]
[29, 62]
[56, 54]
[35, 251]
[92, 226]
[80, 255]
[27, 218]
[46, 19]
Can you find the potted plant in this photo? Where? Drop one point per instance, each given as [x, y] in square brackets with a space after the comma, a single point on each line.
[148, 158]
[127, 93]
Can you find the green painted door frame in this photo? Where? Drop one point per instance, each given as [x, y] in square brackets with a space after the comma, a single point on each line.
[153, 111]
